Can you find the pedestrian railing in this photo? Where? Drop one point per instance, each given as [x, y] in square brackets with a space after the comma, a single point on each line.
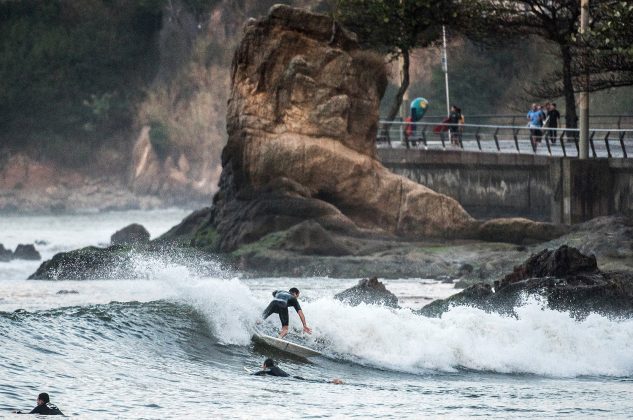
[620, 121]
[603, 142]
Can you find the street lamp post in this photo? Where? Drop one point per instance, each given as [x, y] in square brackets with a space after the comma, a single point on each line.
[445, 69]
[583, 149]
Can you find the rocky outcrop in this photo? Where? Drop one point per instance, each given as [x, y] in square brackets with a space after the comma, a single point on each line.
[566, 280]
[302, 121]
[369, 291]
[518, 230]
[22, 252]
[26, 252]
[133, 234]
[87, 264]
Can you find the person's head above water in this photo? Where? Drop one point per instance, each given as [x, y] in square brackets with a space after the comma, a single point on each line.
[294, 291]
[268, 363]
[43, 398]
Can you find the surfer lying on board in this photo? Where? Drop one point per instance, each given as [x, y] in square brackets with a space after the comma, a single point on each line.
[280, 305]
[44, 406]
[270, 368]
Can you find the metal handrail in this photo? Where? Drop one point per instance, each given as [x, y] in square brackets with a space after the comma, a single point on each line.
[486, 138]
[601, 120]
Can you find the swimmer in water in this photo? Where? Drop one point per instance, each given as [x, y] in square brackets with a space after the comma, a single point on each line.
[44, 407]
[270, 368]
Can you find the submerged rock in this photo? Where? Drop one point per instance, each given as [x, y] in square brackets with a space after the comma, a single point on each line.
[565, 278]
[369, 291]
[26, 252]
[130, 235]
[67, 292]
[5, 254]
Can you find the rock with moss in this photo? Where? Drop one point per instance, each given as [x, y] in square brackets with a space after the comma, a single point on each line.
[564, 279]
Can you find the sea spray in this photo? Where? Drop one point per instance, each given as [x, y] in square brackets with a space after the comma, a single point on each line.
[538, 341]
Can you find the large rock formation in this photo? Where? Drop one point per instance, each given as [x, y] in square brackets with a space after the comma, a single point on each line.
[302, 121]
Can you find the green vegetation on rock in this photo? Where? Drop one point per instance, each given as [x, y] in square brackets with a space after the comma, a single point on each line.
[270, 241]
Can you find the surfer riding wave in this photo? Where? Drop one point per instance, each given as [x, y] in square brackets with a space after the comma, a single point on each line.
[279, 305]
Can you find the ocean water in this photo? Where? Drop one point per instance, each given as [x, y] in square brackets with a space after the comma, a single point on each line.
[175, 344]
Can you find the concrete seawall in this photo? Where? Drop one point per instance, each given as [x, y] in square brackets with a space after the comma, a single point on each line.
[561, 190]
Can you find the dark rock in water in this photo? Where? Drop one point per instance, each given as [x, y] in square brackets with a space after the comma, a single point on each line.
[475, 295]
[5, 254]
[565, 278]
[87, 263]
[445, 279]
[563, 262]
[26, 252]
[67, 292]
[130, 235]
[369, 291]
[465, 269]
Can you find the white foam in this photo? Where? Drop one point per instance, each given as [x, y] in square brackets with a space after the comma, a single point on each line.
[539, 341]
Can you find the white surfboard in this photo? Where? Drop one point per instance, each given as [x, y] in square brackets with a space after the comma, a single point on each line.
[284, 345]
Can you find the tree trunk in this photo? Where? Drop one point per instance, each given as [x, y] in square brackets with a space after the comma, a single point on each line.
[571, 118]
[397, 102]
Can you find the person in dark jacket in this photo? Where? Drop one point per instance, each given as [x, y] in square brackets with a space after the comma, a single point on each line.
[44, 407]
[270, 368]
[280, 305]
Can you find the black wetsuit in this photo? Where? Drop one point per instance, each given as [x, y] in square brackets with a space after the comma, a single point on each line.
[47, 409]
[272, 371]
[280, 305]
[275, 371]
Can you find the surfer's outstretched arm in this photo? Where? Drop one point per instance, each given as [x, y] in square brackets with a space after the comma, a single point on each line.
[303, 321]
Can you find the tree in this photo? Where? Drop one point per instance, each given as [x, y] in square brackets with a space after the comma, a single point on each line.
[71, 69]
[395, 28]
[609, 46]
[556, 21]
[603, 59]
